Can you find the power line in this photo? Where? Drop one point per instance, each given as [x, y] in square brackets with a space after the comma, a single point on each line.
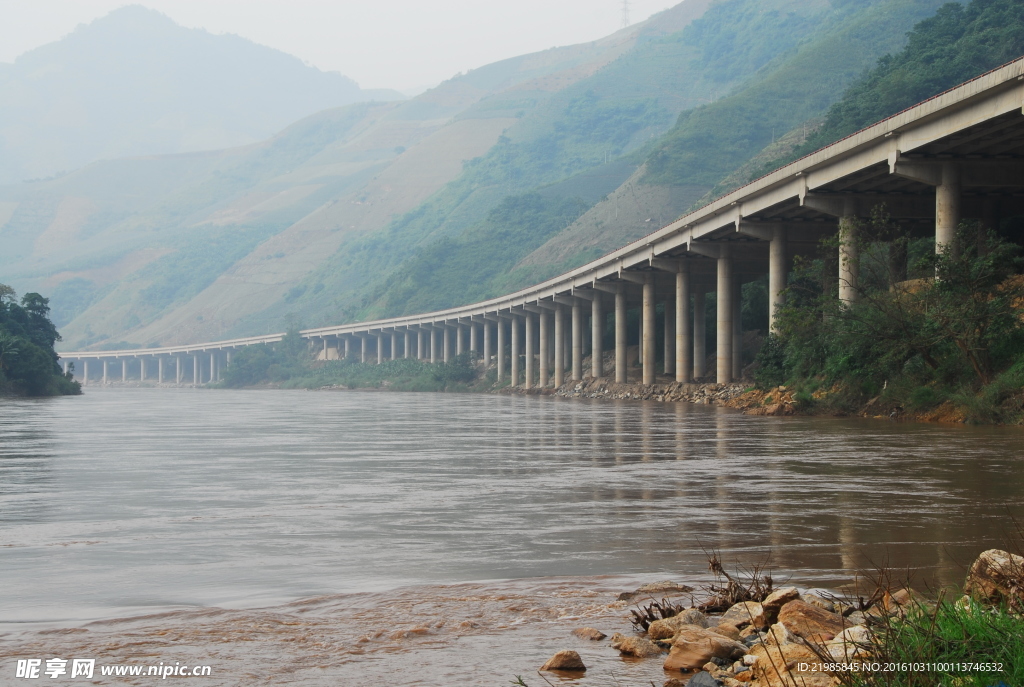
[625, 13]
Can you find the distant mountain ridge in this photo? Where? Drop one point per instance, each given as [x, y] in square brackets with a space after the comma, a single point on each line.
[135, 83]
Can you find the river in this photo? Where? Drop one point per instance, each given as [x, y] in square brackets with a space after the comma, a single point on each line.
[387, 538]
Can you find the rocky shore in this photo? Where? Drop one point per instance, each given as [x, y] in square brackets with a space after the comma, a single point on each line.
[788, 636]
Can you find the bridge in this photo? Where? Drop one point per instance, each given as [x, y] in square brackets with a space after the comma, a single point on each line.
[958, 155]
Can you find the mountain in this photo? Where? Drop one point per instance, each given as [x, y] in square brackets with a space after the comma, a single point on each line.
[493, 180]
[135, 83]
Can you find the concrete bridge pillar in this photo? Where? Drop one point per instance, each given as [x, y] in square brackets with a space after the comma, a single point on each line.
[700, 337]
[670, 338]
[947, 206]
[408, 345]
[500, 354]
[228, 355]
[363, 347]
[142, 369]
[514, 324]
[577, 342]
[473, 344]
[487, 343]
[177, 369]
[777, 271]
[85, 372]
[459, 339]
[596, 337]
[545, 350]
[621, 335]
[684, 324]
[195, 370]
[648, 343]
[213, 367]
[105, 365]
[419, 343]
[849, 259]
[737, 330]
[325, 349]
[380, 348]
[726, 286]
[531, 338]
[124, 369]
[559, 346]
[433, 344]
[394, 345]
[160, 370]
[447, 336]
[64, 366]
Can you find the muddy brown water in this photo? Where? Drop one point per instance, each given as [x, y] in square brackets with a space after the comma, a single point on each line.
[344, 538]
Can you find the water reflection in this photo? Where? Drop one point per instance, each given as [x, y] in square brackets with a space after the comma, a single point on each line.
[141, 499]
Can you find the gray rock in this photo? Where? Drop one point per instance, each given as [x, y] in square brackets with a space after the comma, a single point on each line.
[703, 679]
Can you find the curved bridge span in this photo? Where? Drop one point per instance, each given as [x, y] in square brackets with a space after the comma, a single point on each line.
[956, 156]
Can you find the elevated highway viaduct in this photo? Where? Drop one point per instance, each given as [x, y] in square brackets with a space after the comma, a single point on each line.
[956, 156]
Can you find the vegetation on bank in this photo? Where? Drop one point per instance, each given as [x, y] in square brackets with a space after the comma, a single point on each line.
[291, 364]
[927, 330]
[28, 361]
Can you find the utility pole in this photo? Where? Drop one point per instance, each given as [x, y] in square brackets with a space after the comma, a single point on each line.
[625, 13]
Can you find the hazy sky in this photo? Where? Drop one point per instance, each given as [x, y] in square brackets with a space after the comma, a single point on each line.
[403, 44]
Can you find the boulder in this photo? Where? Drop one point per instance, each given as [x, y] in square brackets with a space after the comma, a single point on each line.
[779, 666]
[639, 647]
[564, 660]
[726, 630]
[781, 597]
[694, 646]
[853, 643]
[801, 618]
[778, 634]
[746, 613]
[816, 600]
[663, 587]
[589, 633]
[668, 627]
[997, 577]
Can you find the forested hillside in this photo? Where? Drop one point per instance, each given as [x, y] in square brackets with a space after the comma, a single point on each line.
[494, 180]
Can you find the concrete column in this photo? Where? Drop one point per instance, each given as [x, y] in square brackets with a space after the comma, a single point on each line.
[473, 346]
[545, 350]
[124, 369]
[213, 367]
[577, 342]
[160, 370]
[394, 345]
[363, 348]
[848, 255]
[228, 354]
[947, 206]
[650, 330]
[724, 308]
[177, 369]
[670, 338]
[487, 343]
[700, 338]
[85, 372]
[325, 348]
[64, 366]
[559, 346]
[530, 343]
[419, 344]
[684, 325]
[500, 355]
[737, 330]
[596, 337]
[142, 369]
[459, 339]
[406, 344]
[380, 348]
[514, 324]
[777, 254]
[447, 336]
[195, 370]
[621, 335]
[105, 366]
